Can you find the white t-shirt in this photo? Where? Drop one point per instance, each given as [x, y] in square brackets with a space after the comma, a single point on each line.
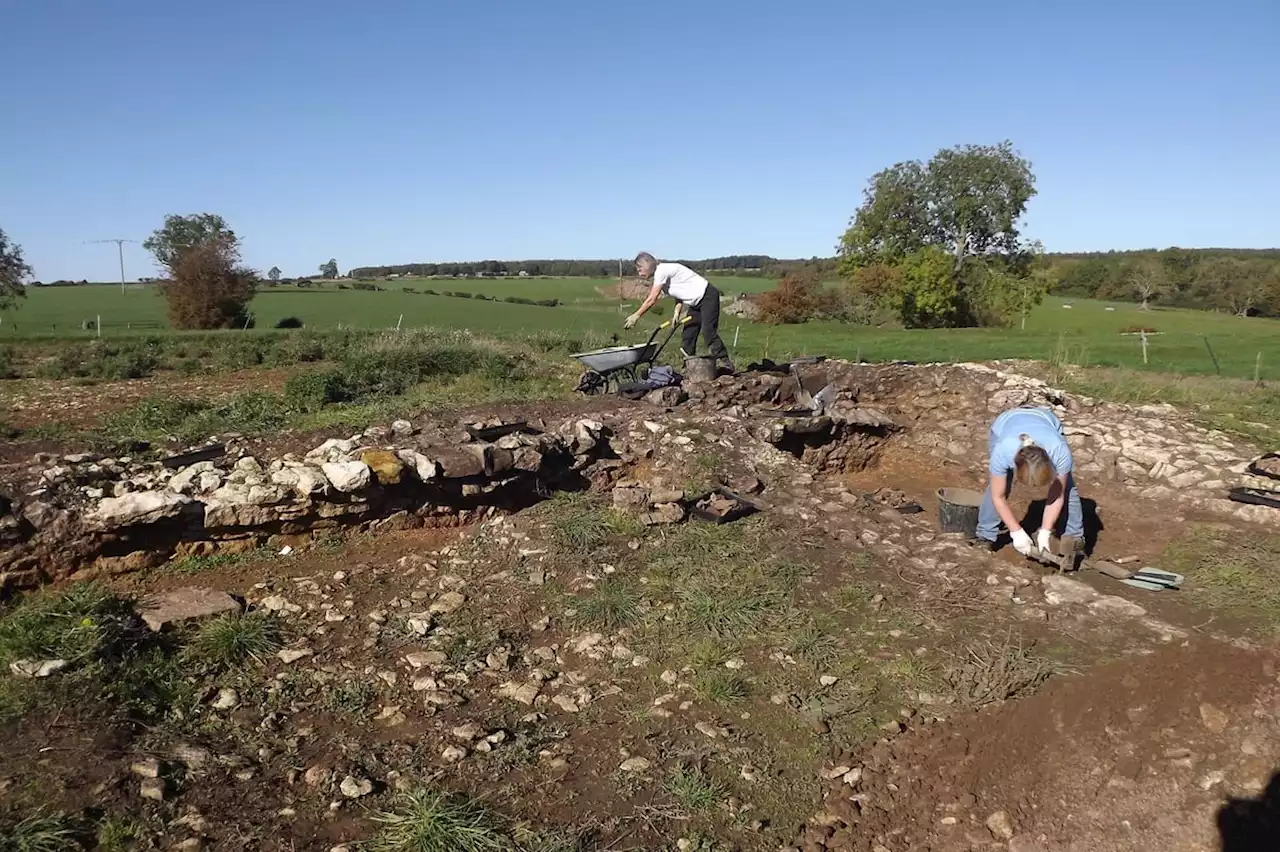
[680, 283]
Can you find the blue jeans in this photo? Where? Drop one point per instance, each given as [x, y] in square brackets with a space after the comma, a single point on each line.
[1070, 522]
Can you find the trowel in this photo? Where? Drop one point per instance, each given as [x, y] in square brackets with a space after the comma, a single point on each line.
[1065, 554]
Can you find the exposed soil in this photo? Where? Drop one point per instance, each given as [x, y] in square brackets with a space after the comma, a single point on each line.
[81, 403]
[826, 710]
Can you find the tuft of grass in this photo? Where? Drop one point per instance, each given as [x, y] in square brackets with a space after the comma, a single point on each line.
[581, 524]
[1229, 570]
[198, 564]
[694, 790]
[116, 667]
[349, 698]
[722, 686]
[991, 672]
[75, 626]
[714, 606]
[41, 832]
[118, 834]
[230, 640]
[813, 644]
[612, 604]
[430, 821]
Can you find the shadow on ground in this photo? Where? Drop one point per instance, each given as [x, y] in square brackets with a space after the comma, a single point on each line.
[1252, 825]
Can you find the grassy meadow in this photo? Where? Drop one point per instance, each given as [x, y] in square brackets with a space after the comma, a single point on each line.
[1088, 333]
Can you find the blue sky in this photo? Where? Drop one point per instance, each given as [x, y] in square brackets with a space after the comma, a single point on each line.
[392, 132]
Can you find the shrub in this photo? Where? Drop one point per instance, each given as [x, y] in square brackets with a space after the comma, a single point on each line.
[126, 365]
[289, 322]
[799, 297]
[430, 293]
[310, 392]
[548, 303]
[238, 354]
[930, 297]
[8, 364]
[208, 288]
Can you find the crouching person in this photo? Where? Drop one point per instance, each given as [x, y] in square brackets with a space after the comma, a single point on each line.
[1026, 445]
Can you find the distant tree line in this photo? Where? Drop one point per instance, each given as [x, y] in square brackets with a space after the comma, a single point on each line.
[1242, 281]
[738, 264]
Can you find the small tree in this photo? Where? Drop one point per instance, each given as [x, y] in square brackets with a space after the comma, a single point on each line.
[1149, 280]
[180, 233]
[273, 274]
[330, 269]
[13, 272]
[207, 287]
[799, 297]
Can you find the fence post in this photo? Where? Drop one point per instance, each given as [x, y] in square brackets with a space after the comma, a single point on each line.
[1216, 368]
[399, 321]
[735, 335]
[1143, 335]
[98, 324]
[1257, 369]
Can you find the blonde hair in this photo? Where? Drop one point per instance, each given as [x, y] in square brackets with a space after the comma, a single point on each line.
[1032, 466]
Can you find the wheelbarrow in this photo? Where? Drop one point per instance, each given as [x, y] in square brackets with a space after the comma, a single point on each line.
[610, 368]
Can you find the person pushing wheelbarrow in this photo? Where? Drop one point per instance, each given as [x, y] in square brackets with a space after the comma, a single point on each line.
[694, 294]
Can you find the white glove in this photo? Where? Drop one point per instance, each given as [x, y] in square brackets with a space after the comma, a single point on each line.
[1043, 541]
[1022, 542]
[631, 321]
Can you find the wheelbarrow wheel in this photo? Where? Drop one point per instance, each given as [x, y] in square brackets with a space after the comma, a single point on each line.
[591, 383]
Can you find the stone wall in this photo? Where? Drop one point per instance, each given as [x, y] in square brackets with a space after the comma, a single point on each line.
[82, 515]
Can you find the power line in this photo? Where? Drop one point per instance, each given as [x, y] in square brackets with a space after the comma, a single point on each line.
[120, 250]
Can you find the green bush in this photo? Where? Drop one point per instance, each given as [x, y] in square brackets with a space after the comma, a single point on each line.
[238, 354]
[157, 415]
[8, 364]
[310, 392]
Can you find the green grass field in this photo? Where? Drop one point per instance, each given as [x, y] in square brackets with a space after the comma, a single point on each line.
[1088, 333]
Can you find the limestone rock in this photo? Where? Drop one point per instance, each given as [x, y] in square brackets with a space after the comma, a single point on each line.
[354, 787]
[138, 507]
[189, 603]
[348, 477]
[386, 466]
[425, 468]
[36, 668]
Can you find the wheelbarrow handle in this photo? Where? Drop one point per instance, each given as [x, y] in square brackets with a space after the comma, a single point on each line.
[654, 336]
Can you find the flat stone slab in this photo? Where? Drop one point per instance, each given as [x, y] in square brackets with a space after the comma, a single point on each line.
[190, 603]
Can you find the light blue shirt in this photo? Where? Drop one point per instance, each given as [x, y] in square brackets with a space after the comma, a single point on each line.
[1041, 426]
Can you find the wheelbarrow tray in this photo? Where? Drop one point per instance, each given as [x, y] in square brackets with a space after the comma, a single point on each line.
[617, 357]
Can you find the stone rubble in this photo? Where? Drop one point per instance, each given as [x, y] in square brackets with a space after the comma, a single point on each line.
[426, 474]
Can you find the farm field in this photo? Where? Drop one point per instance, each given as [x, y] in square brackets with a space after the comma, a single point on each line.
[1088, 333]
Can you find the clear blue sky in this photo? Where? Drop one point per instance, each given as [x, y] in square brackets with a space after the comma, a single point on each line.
[392, 132]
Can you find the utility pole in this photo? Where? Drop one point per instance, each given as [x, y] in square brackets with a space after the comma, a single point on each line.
[120, 251]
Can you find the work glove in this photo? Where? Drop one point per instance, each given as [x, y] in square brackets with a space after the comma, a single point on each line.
[1043, 542]
[631, 321]
[1022, 542]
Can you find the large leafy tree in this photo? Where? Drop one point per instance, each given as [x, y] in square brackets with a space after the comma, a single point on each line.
[180, 233]
[966, 200]
[13, 272]
[330, 269]
[274, 274]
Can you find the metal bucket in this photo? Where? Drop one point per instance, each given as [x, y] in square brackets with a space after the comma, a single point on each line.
[958, 510]
[700, 368]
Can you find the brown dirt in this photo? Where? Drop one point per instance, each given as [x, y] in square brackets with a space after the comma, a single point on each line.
[1119, 760]
[28, 403]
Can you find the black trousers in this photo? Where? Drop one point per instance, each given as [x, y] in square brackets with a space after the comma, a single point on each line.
[705, 318]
